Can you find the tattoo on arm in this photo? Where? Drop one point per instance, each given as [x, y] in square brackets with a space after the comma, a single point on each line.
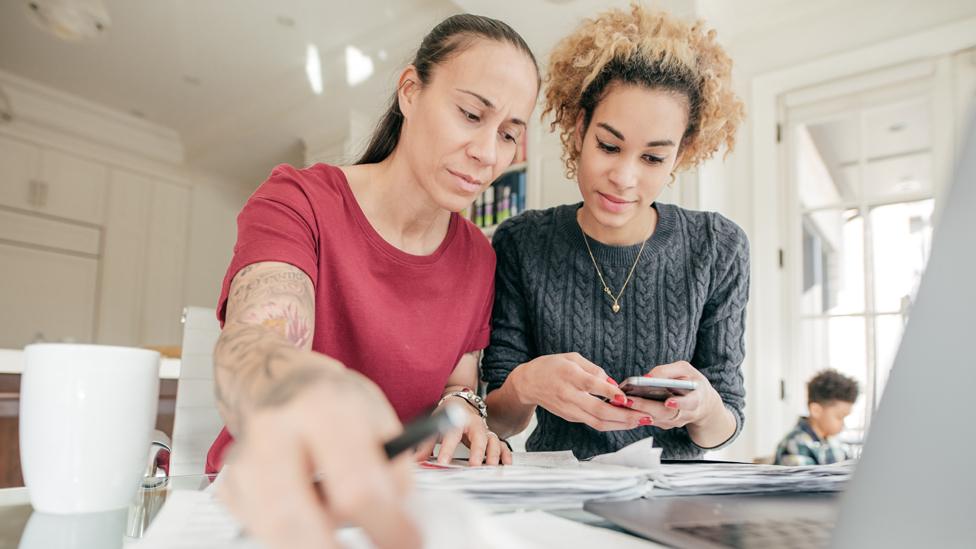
[269, 323]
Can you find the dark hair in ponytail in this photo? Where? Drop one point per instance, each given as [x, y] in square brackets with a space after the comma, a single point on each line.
[450, 37]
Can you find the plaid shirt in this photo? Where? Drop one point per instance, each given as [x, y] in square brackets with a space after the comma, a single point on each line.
[802, 446]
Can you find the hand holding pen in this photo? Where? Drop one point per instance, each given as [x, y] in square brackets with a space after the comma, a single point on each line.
[341, 429]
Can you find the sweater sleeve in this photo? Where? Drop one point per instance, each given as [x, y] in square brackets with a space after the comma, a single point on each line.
[510, 343]
[720, 347]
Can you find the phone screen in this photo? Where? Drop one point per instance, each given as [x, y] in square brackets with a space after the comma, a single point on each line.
[650, 392]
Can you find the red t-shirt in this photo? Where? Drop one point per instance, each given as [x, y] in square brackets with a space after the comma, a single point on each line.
[402, 320]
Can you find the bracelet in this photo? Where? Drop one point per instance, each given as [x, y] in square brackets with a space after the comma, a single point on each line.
[472, 399]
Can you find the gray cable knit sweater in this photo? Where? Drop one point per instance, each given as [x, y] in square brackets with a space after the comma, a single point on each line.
[686, 301]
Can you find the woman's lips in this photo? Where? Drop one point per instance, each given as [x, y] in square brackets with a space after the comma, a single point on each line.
[613, 204]
[465, 182]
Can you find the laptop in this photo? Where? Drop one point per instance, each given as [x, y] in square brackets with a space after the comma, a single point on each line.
[915, 484]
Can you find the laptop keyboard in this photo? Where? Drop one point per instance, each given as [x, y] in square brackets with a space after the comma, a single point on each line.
[759, 534]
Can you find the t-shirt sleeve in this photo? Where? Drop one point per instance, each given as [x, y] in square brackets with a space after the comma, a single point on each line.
[276, 224]
[482, 331]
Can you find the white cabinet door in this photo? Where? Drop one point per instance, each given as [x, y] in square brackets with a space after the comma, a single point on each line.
[19, 166]
[72, 187]
[124, 259]
[165, 257]
[142, 295]
[46, 293]
[51, 182]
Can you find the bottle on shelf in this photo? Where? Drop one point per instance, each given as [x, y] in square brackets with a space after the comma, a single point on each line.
[479, 211]
[489, 219]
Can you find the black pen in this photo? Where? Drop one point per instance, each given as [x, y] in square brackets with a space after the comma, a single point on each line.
[448, 419]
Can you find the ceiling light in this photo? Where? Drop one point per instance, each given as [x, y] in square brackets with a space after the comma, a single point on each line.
[313, 68]
[69, 19]
[359, 66]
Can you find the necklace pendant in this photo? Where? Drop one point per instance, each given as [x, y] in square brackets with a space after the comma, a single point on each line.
[615, 308]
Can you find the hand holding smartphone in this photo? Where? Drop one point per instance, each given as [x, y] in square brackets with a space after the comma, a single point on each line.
[656, 388]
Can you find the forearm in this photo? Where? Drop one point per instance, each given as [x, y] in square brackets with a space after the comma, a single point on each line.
[508, 413]
[250, 361]
[266, 340]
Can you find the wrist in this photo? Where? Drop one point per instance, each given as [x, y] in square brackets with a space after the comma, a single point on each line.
[455, 388]
[714, 410]
[516, 384]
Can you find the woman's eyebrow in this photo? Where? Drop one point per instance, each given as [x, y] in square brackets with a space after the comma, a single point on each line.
[489, 105]
[616, 133]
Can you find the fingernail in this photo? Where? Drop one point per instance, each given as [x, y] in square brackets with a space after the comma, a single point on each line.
[646, 420]
[648, 375]
[611, 381]
[629, 403]
[619, 399]
[671, 404]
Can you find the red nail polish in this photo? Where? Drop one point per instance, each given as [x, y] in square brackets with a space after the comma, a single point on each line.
[671, 404]
[629, 403]
[619, 399]
[646, 421]
[648, 375]
[611, 381]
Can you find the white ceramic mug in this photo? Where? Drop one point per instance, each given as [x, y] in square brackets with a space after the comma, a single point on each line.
[87, 414]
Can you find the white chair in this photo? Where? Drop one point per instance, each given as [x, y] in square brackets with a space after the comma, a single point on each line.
[196, 421]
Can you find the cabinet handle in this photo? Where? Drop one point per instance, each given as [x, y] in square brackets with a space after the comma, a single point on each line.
[37, 196]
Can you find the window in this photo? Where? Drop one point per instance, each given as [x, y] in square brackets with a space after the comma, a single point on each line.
[862, 199]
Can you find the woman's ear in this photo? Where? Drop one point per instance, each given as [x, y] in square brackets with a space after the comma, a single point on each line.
[407, 87]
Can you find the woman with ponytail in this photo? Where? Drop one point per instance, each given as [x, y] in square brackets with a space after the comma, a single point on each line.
[358, 298]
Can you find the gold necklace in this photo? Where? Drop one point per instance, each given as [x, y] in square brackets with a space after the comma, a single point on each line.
[606, 289]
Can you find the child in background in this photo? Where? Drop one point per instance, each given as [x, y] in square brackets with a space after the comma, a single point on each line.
[830, 396]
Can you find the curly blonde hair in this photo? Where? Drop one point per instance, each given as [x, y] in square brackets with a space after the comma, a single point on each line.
[651, 49]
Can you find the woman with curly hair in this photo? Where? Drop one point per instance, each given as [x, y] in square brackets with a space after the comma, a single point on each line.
[621, 285]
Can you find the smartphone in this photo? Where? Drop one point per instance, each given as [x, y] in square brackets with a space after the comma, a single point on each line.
[656, 388]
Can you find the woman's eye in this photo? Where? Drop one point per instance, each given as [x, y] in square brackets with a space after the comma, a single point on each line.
[469, 115]
[509, 137]
[651, 159]
[606, 147]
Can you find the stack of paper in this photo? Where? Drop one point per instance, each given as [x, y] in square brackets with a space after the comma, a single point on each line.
[193, 520]
[542, 480]
[742, 478]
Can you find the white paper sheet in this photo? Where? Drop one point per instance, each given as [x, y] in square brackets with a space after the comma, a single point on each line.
[545, 459]
[640, 455]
